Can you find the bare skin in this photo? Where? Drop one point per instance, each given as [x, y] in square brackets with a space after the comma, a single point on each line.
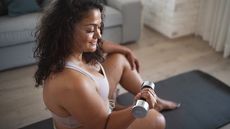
[115, 72]
[71, 93]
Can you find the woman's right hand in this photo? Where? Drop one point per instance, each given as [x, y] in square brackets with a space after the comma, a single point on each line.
[149, 95]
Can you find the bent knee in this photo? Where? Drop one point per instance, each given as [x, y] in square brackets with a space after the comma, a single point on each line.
[118, 58]
[158, 120]
[154, 120]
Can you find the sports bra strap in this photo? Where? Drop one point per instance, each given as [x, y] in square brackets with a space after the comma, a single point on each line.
[79, 69]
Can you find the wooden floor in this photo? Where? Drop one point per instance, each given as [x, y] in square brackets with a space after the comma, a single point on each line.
[21, 103]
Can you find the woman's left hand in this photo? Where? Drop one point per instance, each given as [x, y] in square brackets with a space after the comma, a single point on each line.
[110, 47]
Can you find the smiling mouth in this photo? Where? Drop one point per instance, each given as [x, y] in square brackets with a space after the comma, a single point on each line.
[94, 43]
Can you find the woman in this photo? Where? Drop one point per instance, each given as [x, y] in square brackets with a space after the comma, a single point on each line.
[76, 87]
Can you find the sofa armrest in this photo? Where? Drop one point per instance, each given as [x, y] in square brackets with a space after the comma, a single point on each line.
[131, 12]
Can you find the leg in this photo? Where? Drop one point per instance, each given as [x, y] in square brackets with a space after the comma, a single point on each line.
[118, 70]
[153, 120]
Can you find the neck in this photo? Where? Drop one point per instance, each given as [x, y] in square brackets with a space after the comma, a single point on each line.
[76, 57]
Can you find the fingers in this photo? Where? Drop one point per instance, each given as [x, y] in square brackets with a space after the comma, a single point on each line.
[134, 63]
[137, 65]
[131, 61]
[149, 95]
[138, 96]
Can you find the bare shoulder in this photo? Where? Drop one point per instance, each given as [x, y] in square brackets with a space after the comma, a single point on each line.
[77, 94]
[72, 81]
[64, 85]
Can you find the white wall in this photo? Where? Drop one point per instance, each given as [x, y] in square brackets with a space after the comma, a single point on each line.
[173, 18]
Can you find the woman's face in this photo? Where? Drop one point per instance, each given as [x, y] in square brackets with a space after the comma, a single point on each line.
[87, 32]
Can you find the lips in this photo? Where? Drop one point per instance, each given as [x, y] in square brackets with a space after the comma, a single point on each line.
[94, 42]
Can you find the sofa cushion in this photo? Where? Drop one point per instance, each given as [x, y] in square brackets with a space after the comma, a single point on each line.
[19, 7]
[16, 30]
[21, 29]
[113, 17]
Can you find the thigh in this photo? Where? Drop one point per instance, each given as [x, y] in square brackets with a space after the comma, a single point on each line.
[114, 66]
[153, 120]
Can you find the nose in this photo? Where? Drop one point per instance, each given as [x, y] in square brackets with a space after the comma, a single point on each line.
[97, 33]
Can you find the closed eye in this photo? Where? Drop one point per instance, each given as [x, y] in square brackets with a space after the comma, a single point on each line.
[89, 31]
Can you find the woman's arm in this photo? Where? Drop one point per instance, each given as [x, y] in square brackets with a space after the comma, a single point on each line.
[110, 47]
[81, 99]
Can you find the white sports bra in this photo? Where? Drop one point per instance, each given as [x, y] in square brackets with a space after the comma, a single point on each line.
[103, 84]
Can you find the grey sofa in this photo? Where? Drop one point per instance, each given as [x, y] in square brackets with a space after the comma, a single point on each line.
[122, 24]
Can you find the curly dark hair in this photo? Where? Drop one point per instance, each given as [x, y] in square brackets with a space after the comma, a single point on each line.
[54, 36]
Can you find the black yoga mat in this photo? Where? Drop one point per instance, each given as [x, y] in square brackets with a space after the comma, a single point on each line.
[205, 101]
[44, 124]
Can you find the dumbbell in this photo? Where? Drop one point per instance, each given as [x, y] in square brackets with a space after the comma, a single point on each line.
[141, 107]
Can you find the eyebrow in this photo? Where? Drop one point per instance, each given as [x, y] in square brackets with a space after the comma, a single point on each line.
[92, 24]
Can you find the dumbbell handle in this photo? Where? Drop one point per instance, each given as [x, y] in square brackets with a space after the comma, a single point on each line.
[141, 107]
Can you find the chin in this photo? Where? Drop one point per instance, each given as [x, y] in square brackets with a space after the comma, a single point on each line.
[92, 50]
